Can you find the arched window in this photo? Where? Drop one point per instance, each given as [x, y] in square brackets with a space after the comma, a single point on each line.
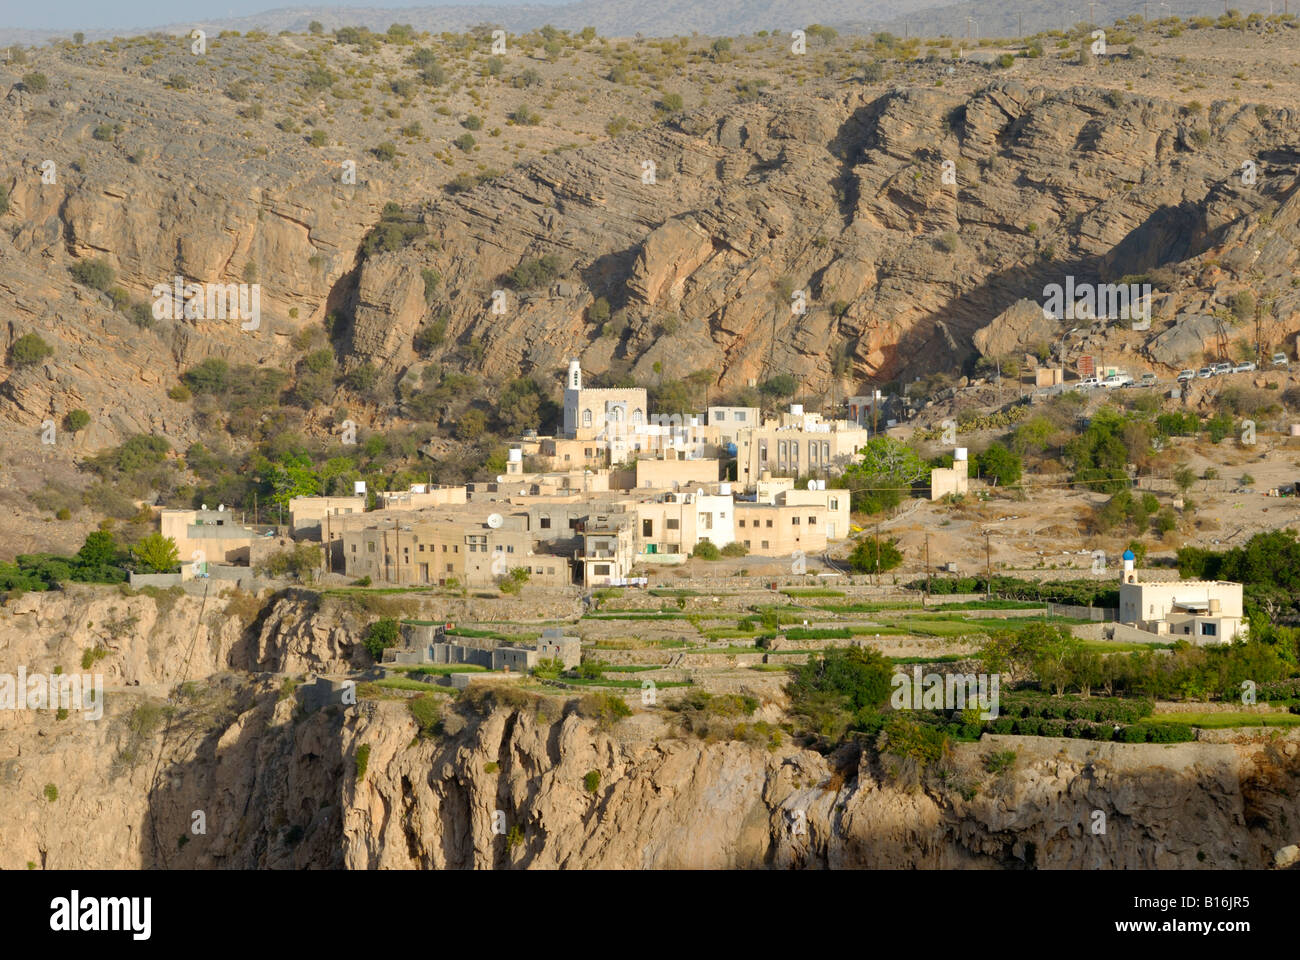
[586, 418]
[637, 416]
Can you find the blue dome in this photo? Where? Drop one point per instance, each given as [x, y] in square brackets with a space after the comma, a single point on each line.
[1129, 555]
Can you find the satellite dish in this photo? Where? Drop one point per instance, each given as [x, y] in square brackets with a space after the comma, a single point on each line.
[494, 520]
[204, 507]
[221, 508]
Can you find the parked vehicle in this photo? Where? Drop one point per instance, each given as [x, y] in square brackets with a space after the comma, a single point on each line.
[1221, 368]
[1185, 375]
[1244, 367]
[1205, 373]
[1089, 383]
[1280, 360]
[1149, 379]
[1117, 380]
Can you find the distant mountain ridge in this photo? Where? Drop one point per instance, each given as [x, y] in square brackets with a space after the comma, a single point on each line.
[609, 17]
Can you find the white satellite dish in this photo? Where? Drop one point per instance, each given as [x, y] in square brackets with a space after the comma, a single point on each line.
[221, 508]
[204, 507]
[494, 520]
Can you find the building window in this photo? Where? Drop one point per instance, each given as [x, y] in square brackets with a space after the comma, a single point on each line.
[794, 521]
[545, 523]
[586, 418]
[638, 417]
[746, 544]
[672, 523]
[601, 569]
[762, 451]
[812, 521]
[742, 523]
[769, 523]
[835, 503]
[1209, 630]
[739, 416]
[370, 548]
[826, 452]
[722, 416]
[764, 544]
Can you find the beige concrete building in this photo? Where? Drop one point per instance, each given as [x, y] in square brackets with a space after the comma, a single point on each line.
[946, 481]
[422, 496]
[797, 445]
[208, 536]
[608, 549]
[307, 514]
[562, 453]
[590, 413]
[782, 528]
[437, 547]
[729, 421]
[829, 506]
[671, 472]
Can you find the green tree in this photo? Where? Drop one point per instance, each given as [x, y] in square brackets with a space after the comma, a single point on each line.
[471, 425]
[1001, 465]
[379, 635]
[77, 420]
[1099, 455]
[842, 689]
[98, 550]
[293, 476]
[869, 557]
[157, 553]
[886, 471]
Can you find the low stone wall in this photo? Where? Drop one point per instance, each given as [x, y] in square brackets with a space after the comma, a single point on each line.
[1118, 632]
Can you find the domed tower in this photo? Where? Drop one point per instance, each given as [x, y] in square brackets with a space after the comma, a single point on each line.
[1129, 575]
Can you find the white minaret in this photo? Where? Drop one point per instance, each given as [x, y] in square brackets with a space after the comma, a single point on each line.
[572, 397]
[1129, 561]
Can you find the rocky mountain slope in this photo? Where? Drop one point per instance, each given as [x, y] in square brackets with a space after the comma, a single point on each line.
[838, 193]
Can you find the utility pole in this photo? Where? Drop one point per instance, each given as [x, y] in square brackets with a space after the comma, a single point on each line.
[877, 553]
[988, 569]
[926, 598]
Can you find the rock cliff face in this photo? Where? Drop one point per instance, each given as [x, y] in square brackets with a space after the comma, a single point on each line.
[846, 200]
[276, 786]
[899, 223]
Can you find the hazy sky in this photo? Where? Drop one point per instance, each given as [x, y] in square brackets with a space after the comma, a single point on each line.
[68, 15]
